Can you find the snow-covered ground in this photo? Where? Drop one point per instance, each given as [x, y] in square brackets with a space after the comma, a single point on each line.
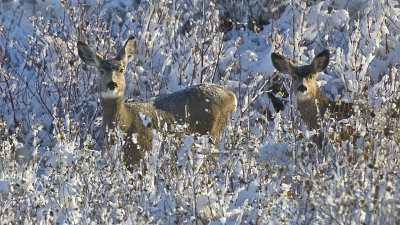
[55, 167]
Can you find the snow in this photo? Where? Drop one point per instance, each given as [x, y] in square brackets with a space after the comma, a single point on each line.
[57, 167]
[5, 187]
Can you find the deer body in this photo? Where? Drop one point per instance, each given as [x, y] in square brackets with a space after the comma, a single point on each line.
[204, 107]
[311, 101]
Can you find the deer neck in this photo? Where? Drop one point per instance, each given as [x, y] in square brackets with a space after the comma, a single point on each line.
[312, 105]
[323, 102]
[115, 114]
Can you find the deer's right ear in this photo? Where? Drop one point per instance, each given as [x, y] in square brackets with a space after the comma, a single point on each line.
[320, 62]
[282, 64]
[129, 51]
[88, 55]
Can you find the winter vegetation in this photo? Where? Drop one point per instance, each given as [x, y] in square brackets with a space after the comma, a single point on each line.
[58, 167]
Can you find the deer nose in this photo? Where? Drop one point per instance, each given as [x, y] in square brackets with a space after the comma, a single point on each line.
[302, 88]
[112, 85]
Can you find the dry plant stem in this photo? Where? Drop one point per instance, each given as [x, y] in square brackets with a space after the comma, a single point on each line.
[221, 45]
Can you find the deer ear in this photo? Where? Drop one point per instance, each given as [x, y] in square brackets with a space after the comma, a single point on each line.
[320, 62]
[128, 52]
[282, 64]
[88, 55]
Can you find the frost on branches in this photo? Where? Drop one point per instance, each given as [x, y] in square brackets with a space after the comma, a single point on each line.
[58, 167]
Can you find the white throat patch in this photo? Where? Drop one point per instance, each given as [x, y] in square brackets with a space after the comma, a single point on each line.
[303, 96]
[111, 94]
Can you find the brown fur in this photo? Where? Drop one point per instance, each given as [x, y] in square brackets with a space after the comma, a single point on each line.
[311, 101]
[204, 107]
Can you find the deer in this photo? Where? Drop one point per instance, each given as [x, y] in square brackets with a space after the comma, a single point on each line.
[311, 101]
[204, 108]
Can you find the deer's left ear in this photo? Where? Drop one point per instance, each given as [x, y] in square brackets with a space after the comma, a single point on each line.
[282, 64]
[88, 55]
[128, 52]
[320, 62]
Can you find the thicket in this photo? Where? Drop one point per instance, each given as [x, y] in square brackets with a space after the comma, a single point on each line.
[55, 167]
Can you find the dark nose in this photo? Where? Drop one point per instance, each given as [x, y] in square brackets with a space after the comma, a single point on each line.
[302, 88]
[112, 85]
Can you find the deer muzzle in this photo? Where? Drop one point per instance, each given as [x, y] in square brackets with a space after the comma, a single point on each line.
[302, 88]
[111, 85]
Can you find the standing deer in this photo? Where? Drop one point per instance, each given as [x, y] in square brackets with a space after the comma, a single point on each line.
[204, 107]
[308, 95]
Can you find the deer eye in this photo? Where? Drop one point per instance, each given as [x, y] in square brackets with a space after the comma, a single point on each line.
[121, 70]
